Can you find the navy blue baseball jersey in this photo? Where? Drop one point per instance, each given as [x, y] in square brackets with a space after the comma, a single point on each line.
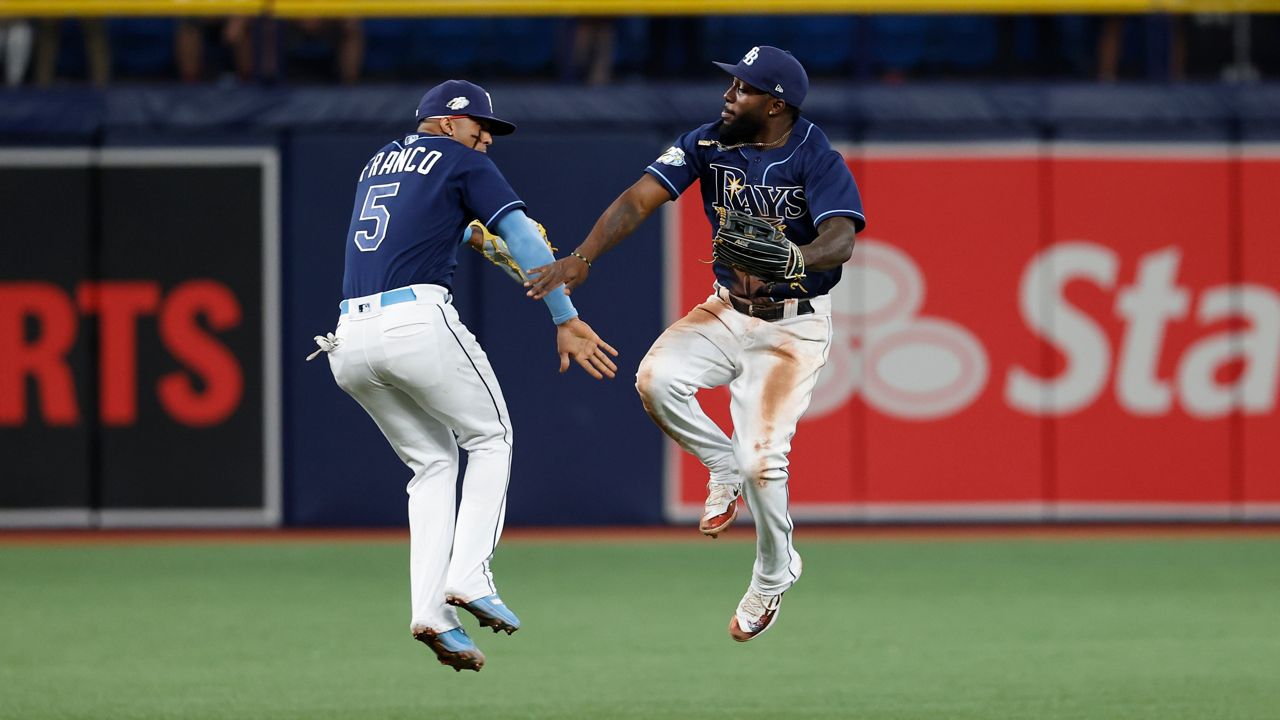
[798, 185]
[413, 199]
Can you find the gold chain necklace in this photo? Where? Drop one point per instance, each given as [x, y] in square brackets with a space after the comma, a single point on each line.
[762, 146]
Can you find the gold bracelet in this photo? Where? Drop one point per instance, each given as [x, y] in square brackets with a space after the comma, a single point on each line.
[581, 257]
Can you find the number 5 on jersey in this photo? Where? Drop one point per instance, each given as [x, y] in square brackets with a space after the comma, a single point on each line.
[375, 210]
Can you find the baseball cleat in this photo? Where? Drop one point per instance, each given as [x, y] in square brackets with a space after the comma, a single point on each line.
[755, 614]
[490, 611]
[720, 509]
[452, 647]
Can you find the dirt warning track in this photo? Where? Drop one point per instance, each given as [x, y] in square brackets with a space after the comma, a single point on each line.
[653, 534]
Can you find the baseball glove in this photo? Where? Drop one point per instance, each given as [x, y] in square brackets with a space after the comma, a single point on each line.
[757, 247]
[495, 249]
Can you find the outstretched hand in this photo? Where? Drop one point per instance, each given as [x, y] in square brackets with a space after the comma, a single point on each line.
[571, 271]
[576, 339]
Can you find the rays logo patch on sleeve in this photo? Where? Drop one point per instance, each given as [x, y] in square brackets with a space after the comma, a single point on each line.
[673, 156]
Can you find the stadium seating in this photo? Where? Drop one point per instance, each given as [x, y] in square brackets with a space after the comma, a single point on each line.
[825, 44]
[523, 46]
[897, 43]
[841, 46]
[142, 47]
[446, 47]
[962, 43]
[386, 45]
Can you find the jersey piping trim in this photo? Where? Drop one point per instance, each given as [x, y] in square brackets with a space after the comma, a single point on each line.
[671, 188]
[501, 210]
[764, 179]
[854, 213]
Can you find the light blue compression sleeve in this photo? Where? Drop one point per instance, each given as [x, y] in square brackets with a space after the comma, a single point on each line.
[529, 251]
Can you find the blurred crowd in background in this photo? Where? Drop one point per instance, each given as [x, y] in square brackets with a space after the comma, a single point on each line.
[594, 51]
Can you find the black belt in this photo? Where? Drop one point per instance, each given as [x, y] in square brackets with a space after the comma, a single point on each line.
[769, 312]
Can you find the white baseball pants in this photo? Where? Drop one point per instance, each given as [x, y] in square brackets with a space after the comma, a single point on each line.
[422, 377]
[771, 369]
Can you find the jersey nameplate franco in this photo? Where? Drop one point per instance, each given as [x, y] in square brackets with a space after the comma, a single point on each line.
[413, 198]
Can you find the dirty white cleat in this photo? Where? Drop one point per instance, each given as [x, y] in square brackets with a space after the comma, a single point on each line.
[452, 647]
[490, 611]
[755, 614]
[720, 509]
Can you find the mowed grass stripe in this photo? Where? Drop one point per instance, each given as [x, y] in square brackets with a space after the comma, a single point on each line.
[1186, 628]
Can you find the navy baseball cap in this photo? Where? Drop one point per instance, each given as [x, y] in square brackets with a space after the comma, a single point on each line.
[459, 97]
[772, 70]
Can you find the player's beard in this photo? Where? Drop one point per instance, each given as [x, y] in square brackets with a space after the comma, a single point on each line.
[743, 129]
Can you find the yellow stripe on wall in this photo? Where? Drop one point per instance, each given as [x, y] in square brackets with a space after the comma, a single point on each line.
[168, 8]
[458, 8]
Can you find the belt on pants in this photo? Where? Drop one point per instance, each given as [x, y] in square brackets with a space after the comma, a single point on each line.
[390, 297]
[769, 312]
[409, 293]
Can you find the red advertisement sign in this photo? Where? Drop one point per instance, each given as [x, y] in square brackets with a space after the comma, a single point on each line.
[1259, 268]
[1082, 332]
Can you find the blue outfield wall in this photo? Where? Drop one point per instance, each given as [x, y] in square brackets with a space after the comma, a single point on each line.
[585, 453]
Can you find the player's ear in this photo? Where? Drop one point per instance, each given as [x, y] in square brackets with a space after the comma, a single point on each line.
[446, 126]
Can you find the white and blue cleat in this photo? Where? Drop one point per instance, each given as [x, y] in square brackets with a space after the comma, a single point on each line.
[452, 647]
[490, 611]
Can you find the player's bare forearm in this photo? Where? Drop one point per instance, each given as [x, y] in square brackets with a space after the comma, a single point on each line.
[618, 221]
[623, 216]
[833, 247]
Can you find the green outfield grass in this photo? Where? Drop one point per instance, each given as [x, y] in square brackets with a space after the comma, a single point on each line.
[940, 629]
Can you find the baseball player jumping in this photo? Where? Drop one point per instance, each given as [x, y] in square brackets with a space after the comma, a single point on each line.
[766, 328]
[400, 350]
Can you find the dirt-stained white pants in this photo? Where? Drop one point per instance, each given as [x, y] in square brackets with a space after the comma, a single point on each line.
[771, 369]
[422, 377]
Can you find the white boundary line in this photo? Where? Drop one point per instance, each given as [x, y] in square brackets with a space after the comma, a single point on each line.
[51, 157]
[273, 387]
[1068, 510]
[1034, 511]
[267, 159]
[995, 512]
[14, 519]
[671, 244]
[1261, 511]
[201, 518]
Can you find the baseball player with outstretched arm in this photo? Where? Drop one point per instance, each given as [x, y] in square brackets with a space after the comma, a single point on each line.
[766, 328]
[402, 353]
